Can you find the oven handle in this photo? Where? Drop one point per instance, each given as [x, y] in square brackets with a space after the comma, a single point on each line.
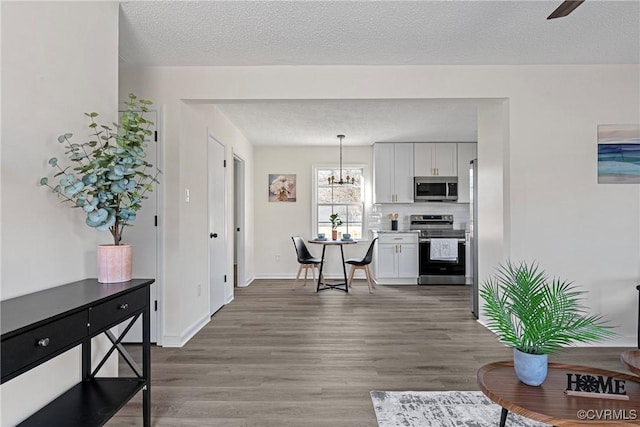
[429, 240]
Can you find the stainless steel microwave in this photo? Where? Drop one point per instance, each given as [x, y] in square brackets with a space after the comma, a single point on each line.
[435, 189]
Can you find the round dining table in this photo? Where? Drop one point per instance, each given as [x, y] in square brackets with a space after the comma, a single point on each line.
[340, 243]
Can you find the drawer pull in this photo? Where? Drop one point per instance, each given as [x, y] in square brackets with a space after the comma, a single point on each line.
[123, 306]
[43, 342]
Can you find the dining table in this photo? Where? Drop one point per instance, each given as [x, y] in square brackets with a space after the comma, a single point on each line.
[340, 243]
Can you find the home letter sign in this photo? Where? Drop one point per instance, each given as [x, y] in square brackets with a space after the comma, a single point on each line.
[588, 385]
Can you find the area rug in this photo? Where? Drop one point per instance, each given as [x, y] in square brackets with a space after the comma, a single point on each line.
[441, 409]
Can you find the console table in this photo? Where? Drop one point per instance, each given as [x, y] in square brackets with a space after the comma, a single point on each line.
[40, 326]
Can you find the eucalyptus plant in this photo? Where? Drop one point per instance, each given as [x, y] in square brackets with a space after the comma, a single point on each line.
[536, 315]
[109, 176]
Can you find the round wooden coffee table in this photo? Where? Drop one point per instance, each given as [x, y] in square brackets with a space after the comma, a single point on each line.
[549, 404]
[631, 359]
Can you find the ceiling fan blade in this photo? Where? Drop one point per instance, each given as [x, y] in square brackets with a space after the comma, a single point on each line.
[565, 8]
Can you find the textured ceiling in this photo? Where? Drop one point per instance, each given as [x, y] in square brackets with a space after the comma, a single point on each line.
[244, 33]
[208, 33]
[363, 122]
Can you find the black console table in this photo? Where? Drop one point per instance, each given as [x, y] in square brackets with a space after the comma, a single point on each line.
[40, 326]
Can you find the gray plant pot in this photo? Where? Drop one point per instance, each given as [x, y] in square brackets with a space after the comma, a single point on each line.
[531, 369]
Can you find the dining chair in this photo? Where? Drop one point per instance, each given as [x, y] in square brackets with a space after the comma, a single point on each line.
[306, 261]
[362, 264]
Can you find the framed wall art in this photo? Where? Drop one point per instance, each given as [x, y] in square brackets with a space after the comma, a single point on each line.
[619, 154]
[282, 187]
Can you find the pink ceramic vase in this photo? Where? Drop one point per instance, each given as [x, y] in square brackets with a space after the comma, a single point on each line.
[114, 263]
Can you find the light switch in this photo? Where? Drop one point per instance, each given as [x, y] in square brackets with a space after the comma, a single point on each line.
[186, 195]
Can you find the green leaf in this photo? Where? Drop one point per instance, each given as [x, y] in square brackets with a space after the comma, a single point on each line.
[44, 180]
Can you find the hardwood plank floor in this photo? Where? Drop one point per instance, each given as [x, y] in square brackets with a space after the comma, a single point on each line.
[282, 357]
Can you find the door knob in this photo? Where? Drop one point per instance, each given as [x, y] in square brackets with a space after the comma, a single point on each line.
[212, 235]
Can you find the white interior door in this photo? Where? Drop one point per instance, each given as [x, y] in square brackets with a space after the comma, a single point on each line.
[217, 225]
[143, 236]
[239, 236]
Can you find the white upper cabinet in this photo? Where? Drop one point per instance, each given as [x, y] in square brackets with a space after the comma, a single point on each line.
[393, 172]
[466, 153]
[436, 159]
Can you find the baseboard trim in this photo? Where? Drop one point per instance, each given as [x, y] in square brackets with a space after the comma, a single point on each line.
[180, 341]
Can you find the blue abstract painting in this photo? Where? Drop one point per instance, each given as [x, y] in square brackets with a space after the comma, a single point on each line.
[619, 154]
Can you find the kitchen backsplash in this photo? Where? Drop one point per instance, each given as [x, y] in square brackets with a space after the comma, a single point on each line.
[380, 214]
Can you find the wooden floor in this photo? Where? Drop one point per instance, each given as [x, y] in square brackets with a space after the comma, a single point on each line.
[282, 357]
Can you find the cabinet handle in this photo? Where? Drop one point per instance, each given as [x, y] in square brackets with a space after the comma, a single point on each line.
[400, 248]
[123, 306]
[43, 342]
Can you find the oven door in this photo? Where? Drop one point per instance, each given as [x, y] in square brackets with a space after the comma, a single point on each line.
[439, 272]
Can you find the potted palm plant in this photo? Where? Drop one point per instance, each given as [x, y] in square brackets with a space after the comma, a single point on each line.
[335, 223]
[108, 180]
[537, 316]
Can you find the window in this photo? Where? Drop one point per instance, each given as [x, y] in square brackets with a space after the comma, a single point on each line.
[347, 200]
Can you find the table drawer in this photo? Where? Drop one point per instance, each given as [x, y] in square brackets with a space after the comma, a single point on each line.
[44, 342]
[114, 311]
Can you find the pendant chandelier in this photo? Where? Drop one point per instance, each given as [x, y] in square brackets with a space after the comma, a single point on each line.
[348, 180]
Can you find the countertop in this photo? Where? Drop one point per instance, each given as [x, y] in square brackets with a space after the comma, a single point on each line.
[395, 231]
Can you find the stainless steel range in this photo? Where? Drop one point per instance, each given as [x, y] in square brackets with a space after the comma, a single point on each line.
[441, 250]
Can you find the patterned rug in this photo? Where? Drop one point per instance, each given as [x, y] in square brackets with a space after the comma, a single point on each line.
[441, 409]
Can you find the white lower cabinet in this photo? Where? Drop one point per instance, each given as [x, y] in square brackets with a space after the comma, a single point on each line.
[395, 259]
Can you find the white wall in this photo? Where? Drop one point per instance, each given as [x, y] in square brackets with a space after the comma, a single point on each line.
[56, 67]
[277, 222]
[184, 264]
[545, 156]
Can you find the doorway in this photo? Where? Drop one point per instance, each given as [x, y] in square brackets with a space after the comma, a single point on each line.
[143, 235]
[217, 224]
[239, 221]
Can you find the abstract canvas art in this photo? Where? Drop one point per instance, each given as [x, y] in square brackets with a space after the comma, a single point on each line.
[282, 187]
[619, 154]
